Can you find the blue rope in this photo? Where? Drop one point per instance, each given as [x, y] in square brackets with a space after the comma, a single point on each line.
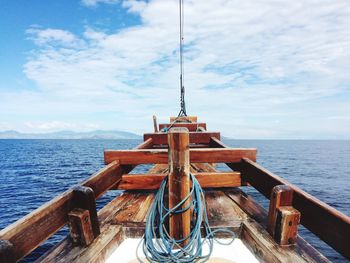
[159, 246]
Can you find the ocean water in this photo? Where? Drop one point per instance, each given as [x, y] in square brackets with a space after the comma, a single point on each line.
[34, 171]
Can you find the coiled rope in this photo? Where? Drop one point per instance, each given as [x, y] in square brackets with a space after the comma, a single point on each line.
[159, 246]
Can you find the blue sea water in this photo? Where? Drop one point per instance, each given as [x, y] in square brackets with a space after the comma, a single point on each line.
[34, 171]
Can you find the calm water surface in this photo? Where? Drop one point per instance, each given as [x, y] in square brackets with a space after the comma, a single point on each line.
[34, 171]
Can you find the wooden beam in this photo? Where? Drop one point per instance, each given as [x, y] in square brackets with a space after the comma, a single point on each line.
[153, 181]
[27, 233]
[179, 183]
[195, 137]
[190, 126]
[184, 118]
[326, 222]
[211, 155]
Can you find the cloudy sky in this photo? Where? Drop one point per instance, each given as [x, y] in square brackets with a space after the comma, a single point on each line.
[253, 69]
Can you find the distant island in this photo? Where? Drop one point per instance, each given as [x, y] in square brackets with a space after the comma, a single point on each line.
[98, 134]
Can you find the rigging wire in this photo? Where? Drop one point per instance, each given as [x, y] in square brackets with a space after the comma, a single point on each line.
[182, 73]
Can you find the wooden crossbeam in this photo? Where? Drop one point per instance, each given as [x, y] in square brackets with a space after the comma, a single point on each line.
[326, 222]
[153, 181]
[184, 118]
[209, 155]
[190, 126]
[195, 137]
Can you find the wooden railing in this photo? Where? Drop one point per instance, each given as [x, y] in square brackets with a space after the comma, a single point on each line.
[327, 223]
[20, 238]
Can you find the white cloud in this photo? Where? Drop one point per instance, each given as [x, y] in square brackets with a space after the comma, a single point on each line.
[96, 2]
[51, 36]
[248, 63]
[58, 126]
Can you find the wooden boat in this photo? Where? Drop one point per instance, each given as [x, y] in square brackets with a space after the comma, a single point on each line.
[96, 236]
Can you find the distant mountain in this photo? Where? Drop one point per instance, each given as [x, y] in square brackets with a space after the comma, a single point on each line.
[99, 134]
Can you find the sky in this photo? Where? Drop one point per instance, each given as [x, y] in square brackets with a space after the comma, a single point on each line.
[264, 69]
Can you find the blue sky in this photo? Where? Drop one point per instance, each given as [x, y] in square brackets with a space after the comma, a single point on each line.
[253, 69]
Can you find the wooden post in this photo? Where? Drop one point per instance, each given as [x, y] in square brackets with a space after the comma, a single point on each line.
[80, 227]
[287, 222]
[7, 252]
[155, 125]
[84, 198]
[179, 181]
[283, 219]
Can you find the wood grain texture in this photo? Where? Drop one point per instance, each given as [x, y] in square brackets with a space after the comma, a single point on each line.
[195, 137]
[179, 182]
[153, 181]
[211, 155]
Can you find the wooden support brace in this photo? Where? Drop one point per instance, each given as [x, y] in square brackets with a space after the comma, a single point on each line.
[7, 252]
[80, 227]
[84, 198]
[286, 229]
[179, 182]
[283, 219]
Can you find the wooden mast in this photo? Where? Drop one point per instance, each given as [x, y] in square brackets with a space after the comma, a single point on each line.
[179, 181]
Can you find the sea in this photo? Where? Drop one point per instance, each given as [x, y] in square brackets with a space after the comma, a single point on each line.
[34, 171]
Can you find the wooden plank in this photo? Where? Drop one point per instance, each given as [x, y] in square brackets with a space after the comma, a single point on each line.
[190, 126]
[153, 181]
[179, 183]
[105, 178]
[29, 232]
[212, 155]
[80, 227]
[184, 118]
[195, 137]
[134, 213]
[326, 222]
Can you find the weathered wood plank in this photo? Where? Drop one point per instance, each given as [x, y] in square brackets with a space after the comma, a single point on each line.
[329, 224]
[153, 181]
[195, 137]
[7, 252]
[286, 228]
[190, 126]
[28, 233]
[212, 155]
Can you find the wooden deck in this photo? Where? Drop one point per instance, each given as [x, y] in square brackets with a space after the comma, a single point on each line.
[125, 217]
